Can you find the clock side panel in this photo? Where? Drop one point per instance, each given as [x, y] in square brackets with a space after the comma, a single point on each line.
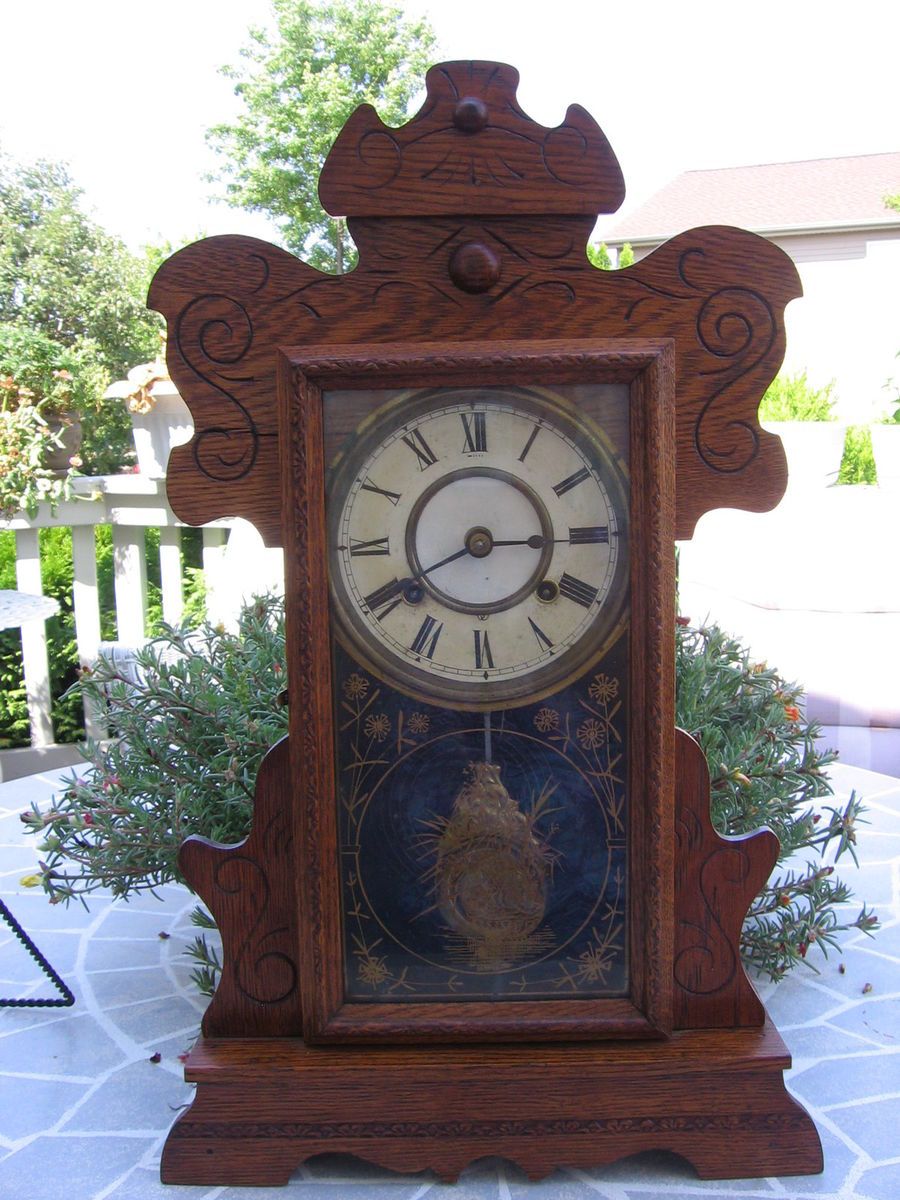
[311, 718]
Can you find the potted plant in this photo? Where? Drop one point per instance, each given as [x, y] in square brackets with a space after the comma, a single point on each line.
[45, 389]
[803, 417]
[25, 437]
[886, 441]
[159, 417]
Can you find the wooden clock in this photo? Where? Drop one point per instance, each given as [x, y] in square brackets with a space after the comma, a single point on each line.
[482, 909]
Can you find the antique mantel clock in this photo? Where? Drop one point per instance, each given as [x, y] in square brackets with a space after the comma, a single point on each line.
[482, 909]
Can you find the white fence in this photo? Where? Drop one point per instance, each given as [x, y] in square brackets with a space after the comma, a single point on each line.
[130, 504]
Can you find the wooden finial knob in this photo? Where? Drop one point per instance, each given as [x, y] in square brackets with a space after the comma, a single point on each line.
[470, 115]
[474, 267]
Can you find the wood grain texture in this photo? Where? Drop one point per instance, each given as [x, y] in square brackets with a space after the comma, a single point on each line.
[716, 881]
[470, 148]
[453, 246]
[652, 682]
[249, 889]
[715, 1098]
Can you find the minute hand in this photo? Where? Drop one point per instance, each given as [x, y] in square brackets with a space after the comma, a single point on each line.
[402, 584]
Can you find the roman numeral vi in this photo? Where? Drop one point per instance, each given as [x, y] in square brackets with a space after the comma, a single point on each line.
[483, 656]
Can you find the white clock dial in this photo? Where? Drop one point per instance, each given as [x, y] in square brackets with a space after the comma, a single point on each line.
[478, 544]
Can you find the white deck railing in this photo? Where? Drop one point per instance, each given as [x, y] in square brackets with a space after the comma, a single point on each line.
[130, 504]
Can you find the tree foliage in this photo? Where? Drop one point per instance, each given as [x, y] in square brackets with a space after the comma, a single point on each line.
[62, 274]
[72, 296]
[298, 83]
[794, 398]
[598, 255]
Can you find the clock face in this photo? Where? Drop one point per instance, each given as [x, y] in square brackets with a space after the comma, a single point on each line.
[478, 544]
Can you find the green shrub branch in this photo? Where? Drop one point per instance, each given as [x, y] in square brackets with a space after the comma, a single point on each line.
[192, 735]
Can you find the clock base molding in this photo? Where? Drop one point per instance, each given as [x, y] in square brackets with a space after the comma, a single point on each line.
[715, 1097]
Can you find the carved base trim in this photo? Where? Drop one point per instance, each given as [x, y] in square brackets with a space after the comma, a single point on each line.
[717, 1098]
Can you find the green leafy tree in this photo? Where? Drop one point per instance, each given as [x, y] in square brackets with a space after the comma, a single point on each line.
[299, 82]
[65, 282]
[793, 398]
[65, 276]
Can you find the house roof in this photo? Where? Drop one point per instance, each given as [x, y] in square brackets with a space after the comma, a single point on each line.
[817, 194]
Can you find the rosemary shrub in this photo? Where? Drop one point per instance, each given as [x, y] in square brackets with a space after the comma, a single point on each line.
[766, 770]
[192, 733]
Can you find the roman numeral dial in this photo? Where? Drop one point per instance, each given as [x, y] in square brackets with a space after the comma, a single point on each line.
[426, 640]
[377, 546]
[577, 590]
[424, 454]
[571, 481]
[483, 655]
[477, 551]
[475, 429]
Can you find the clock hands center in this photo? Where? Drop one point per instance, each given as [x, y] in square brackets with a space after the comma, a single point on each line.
[479, 544]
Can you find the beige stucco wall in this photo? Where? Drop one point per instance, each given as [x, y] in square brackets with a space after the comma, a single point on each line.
[846, 326]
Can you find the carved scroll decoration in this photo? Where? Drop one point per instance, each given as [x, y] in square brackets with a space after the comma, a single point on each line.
[247, 888]
[716, 880]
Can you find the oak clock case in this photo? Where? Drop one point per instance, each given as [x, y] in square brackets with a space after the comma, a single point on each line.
[479, 576]
[408, 891]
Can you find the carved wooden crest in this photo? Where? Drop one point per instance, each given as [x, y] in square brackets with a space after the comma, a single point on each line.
[472, 221]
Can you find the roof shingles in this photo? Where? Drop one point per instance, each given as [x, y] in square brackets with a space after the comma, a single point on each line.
[816, 193]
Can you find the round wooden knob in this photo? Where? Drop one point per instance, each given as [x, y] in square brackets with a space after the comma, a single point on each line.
[470, 115]
[474, 267]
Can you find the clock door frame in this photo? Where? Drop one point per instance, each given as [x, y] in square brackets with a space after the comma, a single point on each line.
[305, 375]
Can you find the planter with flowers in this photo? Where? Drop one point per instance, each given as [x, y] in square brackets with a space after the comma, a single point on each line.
[45, 388]
[804, 419]
[25, 438]
[160, 418]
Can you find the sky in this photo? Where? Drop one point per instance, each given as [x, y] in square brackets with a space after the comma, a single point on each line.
[123, 90]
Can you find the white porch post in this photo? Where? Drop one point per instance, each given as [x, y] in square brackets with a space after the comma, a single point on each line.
[34, 640]
[214, 543]
[170, 574]
[86, 603]
[130, 576]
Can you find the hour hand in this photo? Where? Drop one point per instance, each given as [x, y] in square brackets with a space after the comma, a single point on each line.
[536, 541]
